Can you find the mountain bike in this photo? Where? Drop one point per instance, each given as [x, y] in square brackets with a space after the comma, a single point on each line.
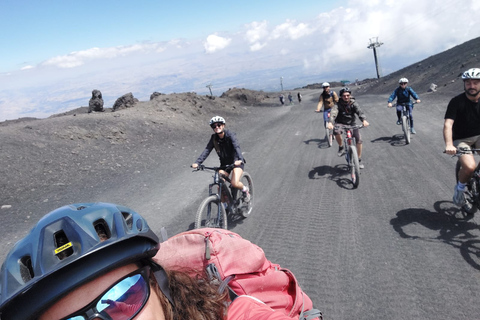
[472, 189]
[328, 133]
[406, 125]
[351, 153]
[223, 200]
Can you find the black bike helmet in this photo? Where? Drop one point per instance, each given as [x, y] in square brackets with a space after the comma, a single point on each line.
[67, 248]
[343, 90]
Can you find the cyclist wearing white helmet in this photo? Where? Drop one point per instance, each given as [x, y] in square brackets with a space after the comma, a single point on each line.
[461, 128]
[344, 113]
[403, 94]
[326, 100]
[228, 150]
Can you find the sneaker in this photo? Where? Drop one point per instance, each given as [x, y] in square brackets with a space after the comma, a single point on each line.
[459, 197]
[412, 130]
[360, 164]
[399, 122]
[246, 195]
[341, 151]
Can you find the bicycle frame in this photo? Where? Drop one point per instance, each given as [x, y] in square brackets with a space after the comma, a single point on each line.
[222, 189]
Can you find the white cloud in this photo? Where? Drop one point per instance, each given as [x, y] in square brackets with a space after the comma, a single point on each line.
[78, 58]
[215, 43]
[27, 67]
[292, 30]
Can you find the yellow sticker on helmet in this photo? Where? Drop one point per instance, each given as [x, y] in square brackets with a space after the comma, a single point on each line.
[63, 248]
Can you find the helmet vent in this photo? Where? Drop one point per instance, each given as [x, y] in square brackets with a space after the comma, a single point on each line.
[62, 244]
[26, 270]
[102, 230]
[128, 219]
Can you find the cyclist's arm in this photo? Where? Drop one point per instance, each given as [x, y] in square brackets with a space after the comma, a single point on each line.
[335, 97]
[319, 104]
[205, 152]
[391, 98]
[447, 136]
[238, 152]
[414, 95]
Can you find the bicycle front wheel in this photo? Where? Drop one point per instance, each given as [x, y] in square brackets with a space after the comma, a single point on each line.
[354, 166]
[406, 128]
[245, 207]
[211, 214]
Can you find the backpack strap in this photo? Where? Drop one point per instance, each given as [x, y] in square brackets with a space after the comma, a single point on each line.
[309, 314]
[214, 277]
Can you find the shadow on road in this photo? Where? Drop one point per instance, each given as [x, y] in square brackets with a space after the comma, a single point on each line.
[396, 140]
[453, 226]
[336, 174]
[321, 143]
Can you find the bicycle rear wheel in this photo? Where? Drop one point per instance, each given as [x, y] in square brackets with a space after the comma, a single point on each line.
[209, 216]
[245, 208]
[406, 128]
[354, 166]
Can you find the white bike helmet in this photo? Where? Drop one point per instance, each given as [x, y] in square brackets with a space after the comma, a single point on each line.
[473, 73]
[325, 84]
[403, 80]
[217, 119]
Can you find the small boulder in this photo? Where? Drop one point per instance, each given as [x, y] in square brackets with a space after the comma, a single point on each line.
[96, 102]
[433, 88]
[125, 101]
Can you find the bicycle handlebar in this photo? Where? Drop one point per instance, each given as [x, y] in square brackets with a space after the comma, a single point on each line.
[461, 151]
[346, 126]
[202, 167]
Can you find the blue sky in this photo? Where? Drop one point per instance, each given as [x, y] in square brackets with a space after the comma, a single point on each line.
[54, 53]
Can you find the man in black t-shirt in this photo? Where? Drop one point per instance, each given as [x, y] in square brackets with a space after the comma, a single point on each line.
[462, 129]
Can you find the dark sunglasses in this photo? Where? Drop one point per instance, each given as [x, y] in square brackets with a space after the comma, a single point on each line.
[403, 83]
[215, 125]
[122, 301]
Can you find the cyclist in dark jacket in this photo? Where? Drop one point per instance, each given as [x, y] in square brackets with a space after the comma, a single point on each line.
[343, 113]
[227, 147]
[403, 94]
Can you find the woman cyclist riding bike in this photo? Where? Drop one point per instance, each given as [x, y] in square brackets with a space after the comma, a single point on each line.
[228, 149]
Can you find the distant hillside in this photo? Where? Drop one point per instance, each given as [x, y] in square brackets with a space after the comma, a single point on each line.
[443, 69]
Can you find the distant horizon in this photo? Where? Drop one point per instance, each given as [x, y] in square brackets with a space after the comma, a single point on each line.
[59, 52]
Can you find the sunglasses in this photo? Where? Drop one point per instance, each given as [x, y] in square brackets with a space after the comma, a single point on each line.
[122, 301]
[403, 83]
[216, 125]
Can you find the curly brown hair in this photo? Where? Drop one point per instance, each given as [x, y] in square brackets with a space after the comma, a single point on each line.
[194, 298]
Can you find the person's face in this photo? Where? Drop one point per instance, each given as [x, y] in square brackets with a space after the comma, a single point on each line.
[403, 84]
[472, 87]
[346, 97]
[82, 296]
[218, 127]
[327, 89]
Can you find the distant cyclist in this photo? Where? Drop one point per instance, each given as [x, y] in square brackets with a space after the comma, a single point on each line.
[327, 100]
[461, 129]
[344, 114]
[403, 94]
[227, 147]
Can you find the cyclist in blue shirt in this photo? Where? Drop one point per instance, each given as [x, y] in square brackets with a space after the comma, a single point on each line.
[403, 94]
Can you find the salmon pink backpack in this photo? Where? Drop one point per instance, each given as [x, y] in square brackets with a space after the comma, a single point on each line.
[240, 266]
